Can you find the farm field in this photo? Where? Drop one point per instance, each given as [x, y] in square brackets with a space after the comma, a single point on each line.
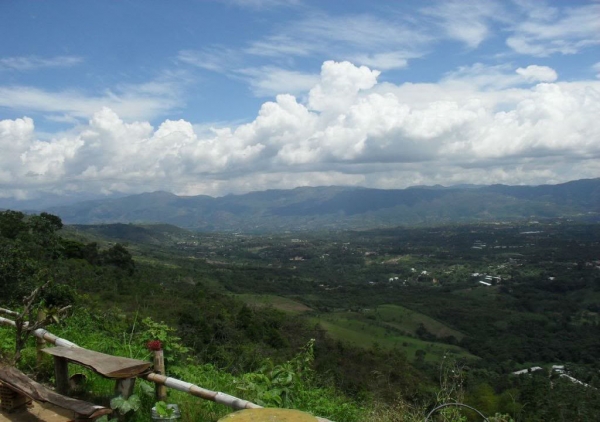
[410, 321]
[278, 302]
[359, 330]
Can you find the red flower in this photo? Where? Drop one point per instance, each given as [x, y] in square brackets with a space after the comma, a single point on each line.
[154, 345]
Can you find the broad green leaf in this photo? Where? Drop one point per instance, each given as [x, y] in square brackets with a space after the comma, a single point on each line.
[135, 402]
[117, 402]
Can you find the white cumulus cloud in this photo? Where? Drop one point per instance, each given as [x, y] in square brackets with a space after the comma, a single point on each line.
[351, 129]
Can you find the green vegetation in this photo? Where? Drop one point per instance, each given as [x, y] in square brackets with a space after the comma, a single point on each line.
[400, 319]
[363, 332]
[281, 303]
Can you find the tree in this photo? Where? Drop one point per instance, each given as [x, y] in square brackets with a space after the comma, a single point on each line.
[11, 223]
[17, 271]
[120, 257]
[483, 398]
[27, 321]
[54, 220]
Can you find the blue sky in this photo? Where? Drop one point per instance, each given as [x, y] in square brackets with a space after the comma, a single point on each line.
[217, 97]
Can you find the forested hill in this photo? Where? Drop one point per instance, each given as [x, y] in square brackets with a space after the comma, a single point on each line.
[343, 207]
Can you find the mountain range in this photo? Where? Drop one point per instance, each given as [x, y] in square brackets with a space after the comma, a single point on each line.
[336, 207]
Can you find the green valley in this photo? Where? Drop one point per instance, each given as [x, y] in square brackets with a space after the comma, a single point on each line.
[391, 311]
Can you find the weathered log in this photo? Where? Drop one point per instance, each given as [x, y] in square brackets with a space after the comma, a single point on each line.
[108, 366]
[16, 380]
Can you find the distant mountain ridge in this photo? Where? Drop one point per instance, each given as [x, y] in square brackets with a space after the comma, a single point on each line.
[337, 207]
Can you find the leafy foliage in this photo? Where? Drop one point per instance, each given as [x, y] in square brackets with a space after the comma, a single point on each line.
[125, 405]
[163, 409]
[278, 385]
[292, 385]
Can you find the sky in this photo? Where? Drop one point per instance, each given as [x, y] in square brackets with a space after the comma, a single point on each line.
[101, 98]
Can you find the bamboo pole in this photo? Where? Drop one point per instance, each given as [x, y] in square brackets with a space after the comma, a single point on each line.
[9, 322]
[203, 393]
[194, 390]
[8, 312]
[40, 343]
[43, 334]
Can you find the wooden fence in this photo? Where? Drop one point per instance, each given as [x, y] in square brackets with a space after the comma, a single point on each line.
[160, 380]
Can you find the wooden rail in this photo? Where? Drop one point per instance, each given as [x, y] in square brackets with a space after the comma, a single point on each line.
[159, 379]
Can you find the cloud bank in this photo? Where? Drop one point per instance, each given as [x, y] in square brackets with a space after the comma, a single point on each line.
[526, 127]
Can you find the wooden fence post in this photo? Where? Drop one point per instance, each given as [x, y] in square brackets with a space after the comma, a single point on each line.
[159, 367]
[124, 387]
[61, 374]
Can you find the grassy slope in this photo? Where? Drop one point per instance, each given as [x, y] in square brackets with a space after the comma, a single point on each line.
[409, 321]
[278, 302]
[390, 326]
[363, 332]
